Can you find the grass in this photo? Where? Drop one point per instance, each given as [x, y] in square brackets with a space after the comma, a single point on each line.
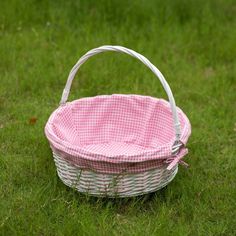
[191, 42]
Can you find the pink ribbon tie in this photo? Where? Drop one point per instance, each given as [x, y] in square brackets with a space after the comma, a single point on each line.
[174, 160]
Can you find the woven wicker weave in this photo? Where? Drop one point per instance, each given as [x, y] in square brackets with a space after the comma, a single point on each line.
[127, 171]
[113, 185]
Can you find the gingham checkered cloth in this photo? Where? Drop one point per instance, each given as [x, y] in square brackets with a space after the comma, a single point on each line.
[116, 133]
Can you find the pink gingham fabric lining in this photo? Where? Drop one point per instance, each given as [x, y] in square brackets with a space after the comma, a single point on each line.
[116, 133]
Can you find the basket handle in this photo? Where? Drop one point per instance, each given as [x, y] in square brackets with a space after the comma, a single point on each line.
[145, 61]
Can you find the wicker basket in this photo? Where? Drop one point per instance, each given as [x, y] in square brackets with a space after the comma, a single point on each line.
[117, 145]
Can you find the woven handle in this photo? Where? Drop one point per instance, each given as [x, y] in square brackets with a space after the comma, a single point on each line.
[142, 59]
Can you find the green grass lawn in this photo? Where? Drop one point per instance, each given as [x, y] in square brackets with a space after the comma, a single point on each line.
[192, 42]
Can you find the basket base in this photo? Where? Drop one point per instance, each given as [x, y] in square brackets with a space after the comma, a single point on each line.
[113, 185]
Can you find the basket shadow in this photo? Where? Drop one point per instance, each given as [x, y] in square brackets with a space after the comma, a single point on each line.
[122, 205]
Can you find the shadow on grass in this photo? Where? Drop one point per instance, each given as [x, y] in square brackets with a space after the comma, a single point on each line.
[142, 203]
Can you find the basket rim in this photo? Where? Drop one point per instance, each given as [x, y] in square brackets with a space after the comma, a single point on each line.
[150, 154]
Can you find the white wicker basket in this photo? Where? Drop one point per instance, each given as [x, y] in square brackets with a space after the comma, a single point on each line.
[125, 184]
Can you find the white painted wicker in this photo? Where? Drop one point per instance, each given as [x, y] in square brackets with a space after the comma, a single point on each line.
[125, 184]
[113, 185]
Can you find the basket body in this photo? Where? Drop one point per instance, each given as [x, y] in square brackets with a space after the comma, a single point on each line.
[125, 155]
[113, 185]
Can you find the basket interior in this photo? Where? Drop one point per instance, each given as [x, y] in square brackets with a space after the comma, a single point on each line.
[115, 124]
